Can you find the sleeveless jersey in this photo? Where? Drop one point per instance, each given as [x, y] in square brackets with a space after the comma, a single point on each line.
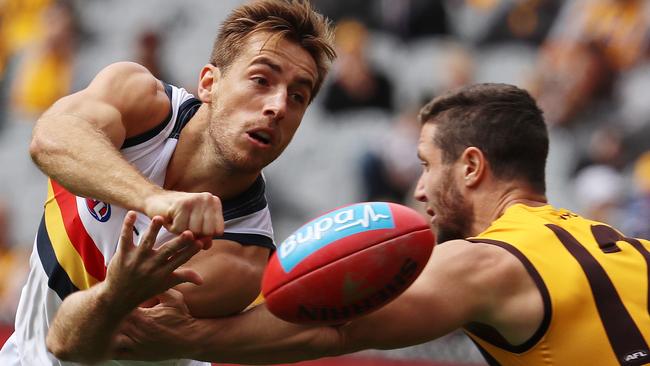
[594, 285]
[78, 236]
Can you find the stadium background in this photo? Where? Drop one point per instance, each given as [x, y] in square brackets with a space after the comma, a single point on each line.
[585, 60]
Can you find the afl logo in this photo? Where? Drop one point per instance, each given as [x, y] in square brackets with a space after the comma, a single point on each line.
[101, 211]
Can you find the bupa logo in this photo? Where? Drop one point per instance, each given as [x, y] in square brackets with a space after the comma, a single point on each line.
[101, 211]
[346, 221]
[636, 355]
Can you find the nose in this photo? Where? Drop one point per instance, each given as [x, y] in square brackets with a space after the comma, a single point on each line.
[275, 105]
[419, 194]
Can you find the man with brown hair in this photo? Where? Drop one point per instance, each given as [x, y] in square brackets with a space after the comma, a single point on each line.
[531, 284]
[189, 164]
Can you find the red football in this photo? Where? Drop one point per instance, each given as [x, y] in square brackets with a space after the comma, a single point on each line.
[347, 263]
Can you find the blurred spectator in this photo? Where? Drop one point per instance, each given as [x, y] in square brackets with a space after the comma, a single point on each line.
[390, 166]
[411, 19]
[338, 10]
[406, 19]
[522, 20]
[636, 221]
[599, 180]
[20, 25]
[568, 77]
[13, 269]
[149, 43]
[599, 193]
[459, 69]
[605, 147]
[591, 42]
[45, 70]
[355, 83]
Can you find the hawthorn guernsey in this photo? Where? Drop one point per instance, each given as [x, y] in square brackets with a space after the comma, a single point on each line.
[347, 263]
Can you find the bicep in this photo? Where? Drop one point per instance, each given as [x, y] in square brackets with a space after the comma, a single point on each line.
[232, 275]
[122, 101]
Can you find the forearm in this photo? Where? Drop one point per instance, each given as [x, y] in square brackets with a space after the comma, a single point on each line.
[258, 337]
[85, 161]
[84, 324]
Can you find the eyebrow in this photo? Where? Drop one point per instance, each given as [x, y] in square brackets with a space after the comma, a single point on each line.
[277, 68]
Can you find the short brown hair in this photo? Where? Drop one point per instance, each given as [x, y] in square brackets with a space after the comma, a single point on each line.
[503, 121]
[295, 20]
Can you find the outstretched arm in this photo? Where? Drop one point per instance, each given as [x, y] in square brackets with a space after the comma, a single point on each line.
[86, 321]
[445, 297]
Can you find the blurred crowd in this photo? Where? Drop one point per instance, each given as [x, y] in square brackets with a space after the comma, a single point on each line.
[586, 61]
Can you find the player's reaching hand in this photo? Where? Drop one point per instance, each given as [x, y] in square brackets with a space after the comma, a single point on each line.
[137, 273]
[152, 333]
[199, 213]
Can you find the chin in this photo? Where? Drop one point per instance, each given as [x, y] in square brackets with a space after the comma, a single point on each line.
[447, 234]
[250, 166]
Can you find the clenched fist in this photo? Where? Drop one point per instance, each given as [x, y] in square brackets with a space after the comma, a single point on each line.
[199, 213]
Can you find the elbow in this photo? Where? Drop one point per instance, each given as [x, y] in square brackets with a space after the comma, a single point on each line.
[64, 351]
[46, 145]
[36, 148]
[56, 347]
[40, 146]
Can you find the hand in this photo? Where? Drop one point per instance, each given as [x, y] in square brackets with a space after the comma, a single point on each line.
[199, 213]
[135, 274]
[158, 333]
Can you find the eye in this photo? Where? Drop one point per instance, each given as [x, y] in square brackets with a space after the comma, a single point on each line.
[260, 81]
[425, 165]
[298, 98]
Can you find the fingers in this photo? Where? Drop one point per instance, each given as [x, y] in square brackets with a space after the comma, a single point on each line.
[220, 223]
[180, 257]
[209, 226]
[200, 213]
[206, 242]
[180, 219]
[122, 347]
[213, 219]
[124, 342]
[171, 297]
[126, 236]
[179, 243]
[197, 218]
[186, 275]
[148, 240]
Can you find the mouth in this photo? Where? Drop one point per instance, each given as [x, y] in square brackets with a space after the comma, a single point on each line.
[261, 137]
[431, 213]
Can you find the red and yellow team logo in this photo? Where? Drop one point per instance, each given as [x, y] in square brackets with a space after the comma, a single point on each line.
[101, 211]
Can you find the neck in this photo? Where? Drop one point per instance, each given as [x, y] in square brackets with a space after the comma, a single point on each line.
[492, 203]
[195, 167]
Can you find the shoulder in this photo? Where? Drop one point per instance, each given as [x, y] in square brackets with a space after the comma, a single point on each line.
[476, 257]
[487, 271]
[132, 90]
[127, 87]
[125, 79]
[124, 69]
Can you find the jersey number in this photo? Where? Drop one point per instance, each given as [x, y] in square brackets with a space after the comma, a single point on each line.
[624, 335]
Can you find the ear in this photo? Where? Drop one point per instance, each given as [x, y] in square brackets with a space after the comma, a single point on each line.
[474, 166]
[210, 74]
